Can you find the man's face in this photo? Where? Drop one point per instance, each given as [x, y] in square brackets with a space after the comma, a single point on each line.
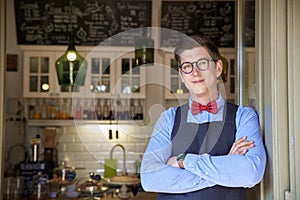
[201, 84]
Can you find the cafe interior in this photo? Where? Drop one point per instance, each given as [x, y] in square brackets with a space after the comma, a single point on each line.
[80, 132]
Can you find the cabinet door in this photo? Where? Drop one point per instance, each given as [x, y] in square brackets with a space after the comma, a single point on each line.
[130, 79]
[174, 88]
[38, 71]
[40, 78]
[100, 75]
[228, 86]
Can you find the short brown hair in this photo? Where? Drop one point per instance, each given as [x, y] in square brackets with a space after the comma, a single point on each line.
[190, 42]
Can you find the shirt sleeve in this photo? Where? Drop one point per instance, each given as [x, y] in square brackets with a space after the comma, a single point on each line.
[234, 170]
[156, 176]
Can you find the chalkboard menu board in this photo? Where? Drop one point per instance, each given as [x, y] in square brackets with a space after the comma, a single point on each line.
[49, 22]
[215, 19]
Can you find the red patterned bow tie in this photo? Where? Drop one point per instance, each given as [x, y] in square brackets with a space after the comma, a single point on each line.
[210, 107]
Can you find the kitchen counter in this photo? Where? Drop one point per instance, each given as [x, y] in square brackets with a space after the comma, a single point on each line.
[139, 196]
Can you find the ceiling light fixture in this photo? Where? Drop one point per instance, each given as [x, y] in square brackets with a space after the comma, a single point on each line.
[71, 67]
[144, 49]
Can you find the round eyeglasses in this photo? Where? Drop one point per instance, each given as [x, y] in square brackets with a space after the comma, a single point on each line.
[202, 64]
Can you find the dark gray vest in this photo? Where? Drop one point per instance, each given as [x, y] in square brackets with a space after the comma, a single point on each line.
[215, 138]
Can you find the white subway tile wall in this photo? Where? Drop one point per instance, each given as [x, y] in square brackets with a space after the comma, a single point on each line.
[86, 146]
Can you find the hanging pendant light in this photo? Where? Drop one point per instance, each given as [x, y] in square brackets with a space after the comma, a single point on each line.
[144, 50]
[71, 67]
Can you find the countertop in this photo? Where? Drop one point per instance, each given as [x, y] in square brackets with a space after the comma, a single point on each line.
[139, 196]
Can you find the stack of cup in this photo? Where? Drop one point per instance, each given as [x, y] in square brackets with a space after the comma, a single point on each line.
[13, 188]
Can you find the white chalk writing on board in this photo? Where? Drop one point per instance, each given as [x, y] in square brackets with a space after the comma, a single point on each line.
[91, 21]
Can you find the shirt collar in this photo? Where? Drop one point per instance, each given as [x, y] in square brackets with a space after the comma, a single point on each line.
[220, 101]
[204, 116]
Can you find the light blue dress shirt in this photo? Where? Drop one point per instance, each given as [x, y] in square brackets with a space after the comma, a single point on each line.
[202, 171]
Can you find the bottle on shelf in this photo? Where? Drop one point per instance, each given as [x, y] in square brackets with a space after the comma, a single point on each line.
[63, 109]
[120, 110]
[114, 110]
[43, 109]
[92, 113]
[86, 110]
[132, 110]
[106, 110]
[37, 111]
[69, 107]
[111, 108]
[126, 109]
[54, 110]
[99, 110]
[49, 110]
[139, 111]
[78, 111]
[30, 107]
[57, 109]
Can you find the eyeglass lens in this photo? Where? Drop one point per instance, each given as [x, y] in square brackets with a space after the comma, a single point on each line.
[202, 64]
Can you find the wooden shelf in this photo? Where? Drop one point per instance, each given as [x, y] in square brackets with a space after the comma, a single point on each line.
[74, 122]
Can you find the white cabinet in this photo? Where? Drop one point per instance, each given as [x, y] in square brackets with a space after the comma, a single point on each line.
[100, 76]
[111, 74]
[39, 68]
[112, 79]
[40, 80]
[230, 83]
[130, 79]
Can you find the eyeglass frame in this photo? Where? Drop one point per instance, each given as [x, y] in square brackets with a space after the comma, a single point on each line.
[192, 63]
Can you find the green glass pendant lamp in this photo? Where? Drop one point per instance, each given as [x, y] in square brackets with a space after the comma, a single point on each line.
[71, 67]
[144, 50]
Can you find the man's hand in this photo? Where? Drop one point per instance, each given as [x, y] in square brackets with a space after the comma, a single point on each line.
[241, 146]
[172, 161]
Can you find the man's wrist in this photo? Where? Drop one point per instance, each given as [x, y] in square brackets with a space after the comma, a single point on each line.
[180, 160]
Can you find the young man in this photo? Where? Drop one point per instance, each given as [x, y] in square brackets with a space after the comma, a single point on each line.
[208, 148]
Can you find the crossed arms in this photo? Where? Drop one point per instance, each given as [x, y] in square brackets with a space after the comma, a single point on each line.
[243, 166]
